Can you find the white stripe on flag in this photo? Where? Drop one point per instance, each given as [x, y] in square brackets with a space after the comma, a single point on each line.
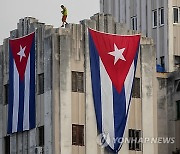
[15, 99]
[26, 96]
[128, 84]
[107, 105]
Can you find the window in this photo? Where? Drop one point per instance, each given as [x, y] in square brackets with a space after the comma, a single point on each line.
[40, 83]
[78, 135]
[162, 61]
[7, 144]
[41, 136]
[134, 23]
[134, 139]
[178, 109]
[154, 18]
[161, 16]
[176, 14]
[177, 85]
[6, 94]
[177, 60]
[136, 88]
[77, 81]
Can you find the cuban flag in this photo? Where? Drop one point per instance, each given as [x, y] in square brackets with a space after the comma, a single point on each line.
[21, 108]
[113, 60]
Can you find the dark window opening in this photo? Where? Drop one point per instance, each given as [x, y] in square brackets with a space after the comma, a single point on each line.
[162, 61]
[134, 139]
[177, 85]
[176, 15]
[136, 88]
[77, 81]
[78, 135]
[131, 139]
[7, 144]
[178, 109]
[41, 136]
[162, 16]
[154, 18]
[177, 60]
[40, 83]
[134, 22]
[6, 94]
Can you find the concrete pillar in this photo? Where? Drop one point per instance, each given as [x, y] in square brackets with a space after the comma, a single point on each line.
[116, 10]
[109, 24]
[170, 56]
[55, 95]
[65, 92]
[158, 51]
[149, 122]
[127, 14]
[101, 6]
[48, 91]
[124, 10]
[138, 10]
[90, 121]
[149, 18]
[143, 17]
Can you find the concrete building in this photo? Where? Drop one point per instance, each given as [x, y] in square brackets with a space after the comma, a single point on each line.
[158, 19]
[65, 117]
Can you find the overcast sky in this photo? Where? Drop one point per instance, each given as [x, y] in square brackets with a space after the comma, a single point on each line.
[47, 11]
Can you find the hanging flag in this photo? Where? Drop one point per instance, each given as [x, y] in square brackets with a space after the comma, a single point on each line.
[21, 108]
[113, 60]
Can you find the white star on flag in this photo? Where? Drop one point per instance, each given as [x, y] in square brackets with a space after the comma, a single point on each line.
[117, 53]
[21, 52]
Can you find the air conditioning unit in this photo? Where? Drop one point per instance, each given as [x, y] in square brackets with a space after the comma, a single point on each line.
[39, 150]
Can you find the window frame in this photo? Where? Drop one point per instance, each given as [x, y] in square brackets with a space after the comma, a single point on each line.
[178, 14]
[178, 110]
[136, 88]
[154, 14]
[162, 60]
[133, 140]
[6, 94]
[41, 136]
[77, 135]
[7, 144]
[77, 81]
[134, 23]
[161, 16]
[40, 84]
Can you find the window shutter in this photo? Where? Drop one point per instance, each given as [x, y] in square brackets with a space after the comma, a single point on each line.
[74, 135]
[41, 83]
[80, 83]
[74, 83]
[136, 88]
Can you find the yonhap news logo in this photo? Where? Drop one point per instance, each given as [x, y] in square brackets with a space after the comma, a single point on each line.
[104, 140]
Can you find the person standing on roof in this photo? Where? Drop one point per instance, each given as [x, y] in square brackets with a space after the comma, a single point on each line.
[64, 13]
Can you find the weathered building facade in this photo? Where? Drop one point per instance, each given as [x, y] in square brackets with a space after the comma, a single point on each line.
[158, 19]
[65, 116]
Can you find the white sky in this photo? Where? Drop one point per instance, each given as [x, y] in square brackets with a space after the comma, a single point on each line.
[46, 11]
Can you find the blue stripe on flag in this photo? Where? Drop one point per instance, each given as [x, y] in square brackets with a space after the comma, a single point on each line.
[11, 92]
[119, 106]
[21, 106]
[32, 111]
[95, 78]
